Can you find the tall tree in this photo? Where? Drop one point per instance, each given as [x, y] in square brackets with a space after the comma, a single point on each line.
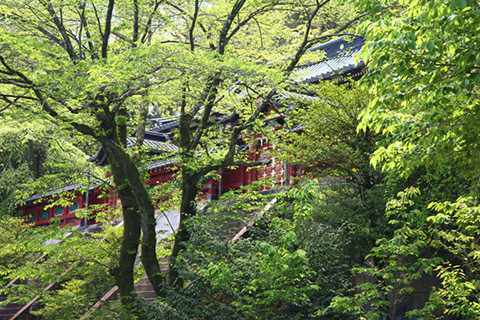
[80, 64]
[75, 63]
[240, 88]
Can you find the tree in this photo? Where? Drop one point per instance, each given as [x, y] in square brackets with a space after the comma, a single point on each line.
[424, 82]
[327, 142]
[221, 80]
[425, 76]
[285, 266]
[61, 70]
[82, 64]
[323, 140]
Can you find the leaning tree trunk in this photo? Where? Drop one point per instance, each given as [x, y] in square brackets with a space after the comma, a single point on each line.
[139, 215]
[187, 210]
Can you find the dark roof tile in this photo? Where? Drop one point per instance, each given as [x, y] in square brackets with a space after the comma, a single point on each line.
[156, 146]
[339, 58]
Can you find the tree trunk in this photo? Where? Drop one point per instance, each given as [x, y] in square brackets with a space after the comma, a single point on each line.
[187, 210]
[139, 215]
[131, 226]
[34, 158]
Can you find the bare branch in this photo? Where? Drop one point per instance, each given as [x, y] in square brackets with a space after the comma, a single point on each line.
[98, 20]
[124, 38]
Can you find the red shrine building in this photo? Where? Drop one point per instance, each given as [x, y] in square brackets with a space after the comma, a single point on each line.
[338, 63]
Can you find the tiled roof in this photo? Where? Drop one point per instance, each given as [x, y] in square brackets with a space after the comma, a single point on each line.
[243, 147]
[294, 96]
[339, 58]
[339, 46]
[67, 188]
[156, 146]
[157, 136]
[164, 125]
[159, 164]
[162, 121]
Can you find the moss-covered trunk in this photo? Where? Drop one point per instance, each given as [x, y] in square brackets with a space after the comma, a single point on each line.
[139, 216]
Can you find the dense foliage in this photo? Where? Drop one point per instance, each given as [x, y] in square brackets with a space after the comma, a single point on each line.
[383, 224]
[82, 267]
[424, 81]
[11, 230]
[95, 67]
[35, 158]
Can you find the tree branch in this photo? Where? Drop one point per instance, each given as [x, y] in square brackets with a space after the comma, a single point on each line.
[82, 128]
[303, 46]
[142, 118]
[108, 27]
[98, 20]
[17, 97]
[211, 94]
[10, 103]
[63, 31]
[192, 27]
[135, 23]
[148, 25]
[51, 36]
[223, 38]
[211, 45]
[83, 21]
[250, 17]
[124, 38]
